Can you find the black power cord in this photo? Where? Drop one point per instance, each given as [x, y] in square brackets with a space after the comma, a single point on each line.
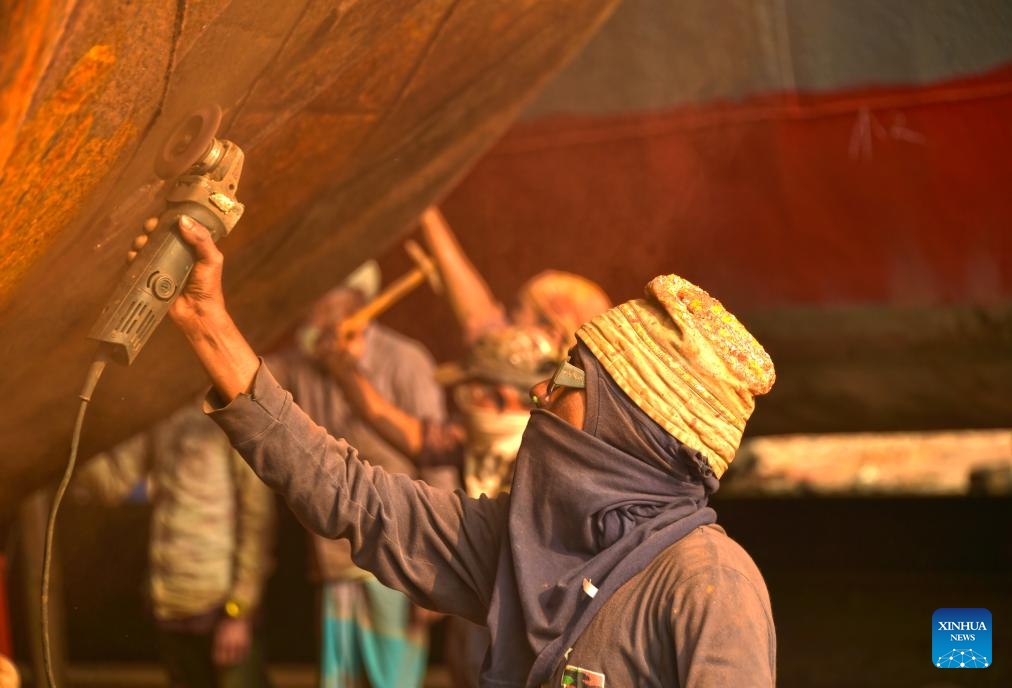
[90, 382]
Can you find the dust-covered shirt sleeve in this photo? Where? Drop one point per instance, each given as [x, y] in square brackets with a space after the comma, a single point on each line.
[438, 547]
[723, 632]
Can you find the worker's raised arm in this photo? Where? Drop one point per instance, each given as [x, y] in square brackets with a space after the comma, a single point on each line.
[438, 547]
[199, 312]
[473, 303]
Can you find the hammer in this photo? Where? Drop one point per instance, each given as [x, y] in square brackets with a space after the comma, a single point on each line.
[424, 271]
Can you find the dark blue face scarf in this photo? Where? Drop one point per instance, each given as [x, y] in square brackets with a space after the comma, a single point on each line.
[597, 505]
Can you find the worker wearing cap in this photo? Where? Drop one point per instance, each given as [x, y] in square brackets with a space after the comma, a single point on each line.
[604, 563]
[369, 634]
[490, 388]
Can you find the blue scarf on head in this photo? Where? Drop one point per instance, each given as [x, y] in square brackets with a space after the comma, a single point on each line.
[597, 504]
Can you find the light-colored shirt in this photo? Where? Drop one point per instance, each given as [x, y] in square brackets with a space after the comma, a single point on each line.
[212, 521]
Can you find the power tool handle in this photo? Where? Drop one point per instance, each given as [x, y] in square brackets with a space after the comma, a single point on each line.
[172, 258]
[153, 282]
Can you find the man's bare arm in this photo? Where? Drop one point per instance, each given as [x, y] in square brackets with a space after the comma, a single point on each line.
[200, 314]
[473, 303]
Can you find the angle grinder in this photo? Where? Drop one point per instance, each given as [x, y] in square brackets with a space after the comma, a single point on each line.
[204, 175]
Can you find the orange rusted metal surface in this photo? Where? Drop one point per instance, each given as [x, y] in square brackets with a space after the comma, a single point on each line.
[353, 117]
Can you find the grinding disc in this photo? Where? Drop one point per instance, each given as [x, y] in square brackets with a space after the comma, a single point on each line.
[188, 142]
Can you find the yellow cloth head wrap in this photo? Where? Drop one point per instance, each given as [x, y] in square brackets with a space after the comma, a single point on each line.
[686, 361]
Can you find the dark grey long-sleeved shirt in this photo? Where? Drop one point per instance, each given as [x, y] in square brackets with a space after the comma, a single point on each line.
[698, 615]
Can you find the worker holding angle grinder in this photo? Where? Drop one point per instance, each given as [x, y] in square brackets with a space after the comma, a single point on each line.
[604, 562]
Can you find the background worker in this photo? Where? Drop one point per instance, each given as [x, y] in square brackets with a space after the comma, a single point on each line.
[370, 635]
[211, 547]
